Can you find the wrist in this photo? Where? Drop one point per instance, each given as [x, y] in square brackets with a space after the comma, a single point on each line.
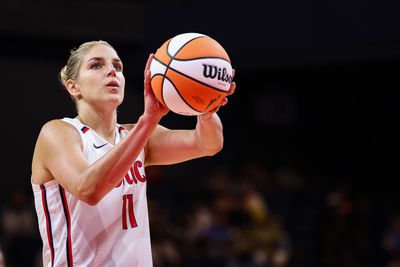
[206, 116]
[149, 119]
[209, 121]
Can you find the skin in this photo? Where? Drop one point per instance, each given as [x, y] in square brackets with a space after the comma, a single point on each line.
[58, 152]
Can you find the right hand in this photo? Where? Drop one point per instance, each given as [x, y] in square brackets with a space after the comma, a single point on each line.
[152, 107]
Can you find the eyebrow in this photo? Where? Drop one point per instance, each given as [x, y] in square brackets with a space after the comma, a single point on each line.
[101, 58]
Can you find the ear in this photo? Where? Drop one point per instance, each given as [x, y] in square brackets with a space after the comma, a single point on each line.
[73, 88]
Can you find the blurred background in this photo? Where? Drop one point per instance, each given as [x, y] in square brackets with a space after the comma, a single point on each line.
[308, 176]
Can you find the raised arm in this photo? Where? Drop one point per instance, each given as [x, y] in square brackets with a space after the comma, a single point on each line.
[173, 146]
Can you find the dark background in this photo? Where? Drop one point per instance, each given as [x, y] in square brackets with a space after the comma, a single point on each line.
[317, 94]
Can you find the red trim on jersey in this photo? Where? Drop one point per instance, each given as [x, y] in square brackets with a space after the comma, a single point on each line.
[68, 220]
[84, 129]
[120, 129]
[48, 222]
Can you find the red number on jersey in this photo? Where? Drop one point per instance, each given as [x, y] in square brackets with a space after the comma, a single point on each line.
[127, 212]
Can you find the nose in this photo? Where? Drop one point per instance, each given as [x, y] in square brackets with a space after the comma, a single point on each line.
[111, 71]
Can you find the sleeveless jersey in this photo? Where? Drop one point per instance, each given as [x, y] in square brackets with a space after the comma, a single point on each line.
[115, 232]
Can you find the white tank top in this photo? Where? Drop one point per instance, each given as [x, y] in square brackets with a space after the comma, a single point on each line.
[115, 232]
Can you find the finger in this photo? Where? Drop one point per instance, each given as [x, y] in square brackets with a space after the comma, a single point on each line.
[151, 56]
[232, 88]
[223, 103]
[215, 110]
[147, 81]
[233, 73]
[208, 114]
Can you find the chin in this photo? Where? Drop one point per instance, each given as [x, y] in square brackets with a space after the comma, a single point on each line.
[116, 99]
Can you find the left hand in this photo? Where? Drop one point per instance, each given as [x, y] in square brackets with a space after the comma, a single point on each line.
[224, 101]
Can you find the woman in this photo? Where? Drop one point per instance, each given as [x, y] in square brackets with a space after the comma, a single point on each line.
[88, 174]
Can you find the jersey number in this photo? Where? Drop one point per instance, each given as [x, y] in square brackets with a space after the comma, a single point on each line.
[127, 212]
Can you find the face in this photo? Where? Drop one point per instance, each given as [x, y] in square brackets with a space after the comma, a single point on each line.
[100, 78]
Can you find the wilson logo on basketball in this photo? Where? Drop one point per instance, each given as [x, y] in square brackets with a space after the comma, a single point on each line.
[191, 71]
[212, 72]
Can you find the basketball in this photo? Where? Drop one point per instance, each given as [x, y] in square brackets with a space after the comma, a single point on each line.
[191, 74]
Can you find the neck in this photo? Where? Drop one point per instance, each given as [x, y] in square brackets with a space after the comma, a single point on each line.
[103, 123]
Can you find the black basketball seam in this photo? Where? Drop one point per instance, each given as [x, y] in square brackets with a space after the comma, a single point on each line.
[162, 92]
[173, 57]
[162, 86]
[165, 72]
[196, 58]
[191, 78]
[179, 95]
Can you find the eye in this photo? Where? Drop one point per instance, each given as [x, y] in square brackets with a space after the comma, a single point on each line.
[118, 67]
[96, 66]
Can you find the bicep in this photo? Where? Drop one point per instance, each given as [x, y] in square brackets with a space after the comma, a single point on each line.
[167, 146]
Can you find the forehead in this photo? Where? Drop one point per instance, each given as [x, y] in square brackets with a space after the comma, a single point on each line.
[101, 51]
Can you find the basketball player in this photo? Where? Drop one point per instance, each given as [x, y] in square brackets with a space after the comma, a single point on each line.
[88, 172]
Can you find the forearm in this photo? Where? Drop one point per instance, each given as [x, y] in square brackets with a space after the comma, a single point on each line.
[209, 133]
[102, 176]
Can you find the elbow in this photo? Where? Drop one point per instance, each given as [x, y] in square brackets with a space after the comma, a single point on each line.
[92, 200]
[215, 149]
[90, 197]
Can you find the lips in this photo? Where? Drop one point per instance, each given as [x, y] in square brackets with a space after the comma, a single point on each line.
[113, 84]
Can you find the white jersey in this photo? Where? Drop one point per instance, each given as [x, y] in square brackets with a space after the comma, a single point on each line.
[115, 232]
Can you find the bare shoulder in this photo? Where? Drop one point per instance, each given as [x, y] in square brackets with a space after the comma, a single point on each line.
[54, 136]
[57, 132]
[55, 127]
[54, 132]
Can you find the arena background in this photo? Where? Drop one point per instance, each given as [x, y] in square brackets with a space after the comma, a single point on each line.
[309, 172]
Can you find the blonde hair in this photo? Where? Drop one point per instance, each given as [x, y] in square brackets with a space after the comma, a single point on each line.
[71, 70]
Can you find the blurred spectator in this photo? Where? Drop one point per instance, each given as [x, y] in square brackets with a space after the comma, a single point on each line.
[164, 245]
[2, 261]
[349, 235]
[18, 223]
[224, 221]
[391, 242]
[260, 239]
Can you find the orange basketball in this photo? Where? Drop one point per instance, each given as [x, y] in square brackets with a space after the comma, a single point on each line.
[191, 74]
